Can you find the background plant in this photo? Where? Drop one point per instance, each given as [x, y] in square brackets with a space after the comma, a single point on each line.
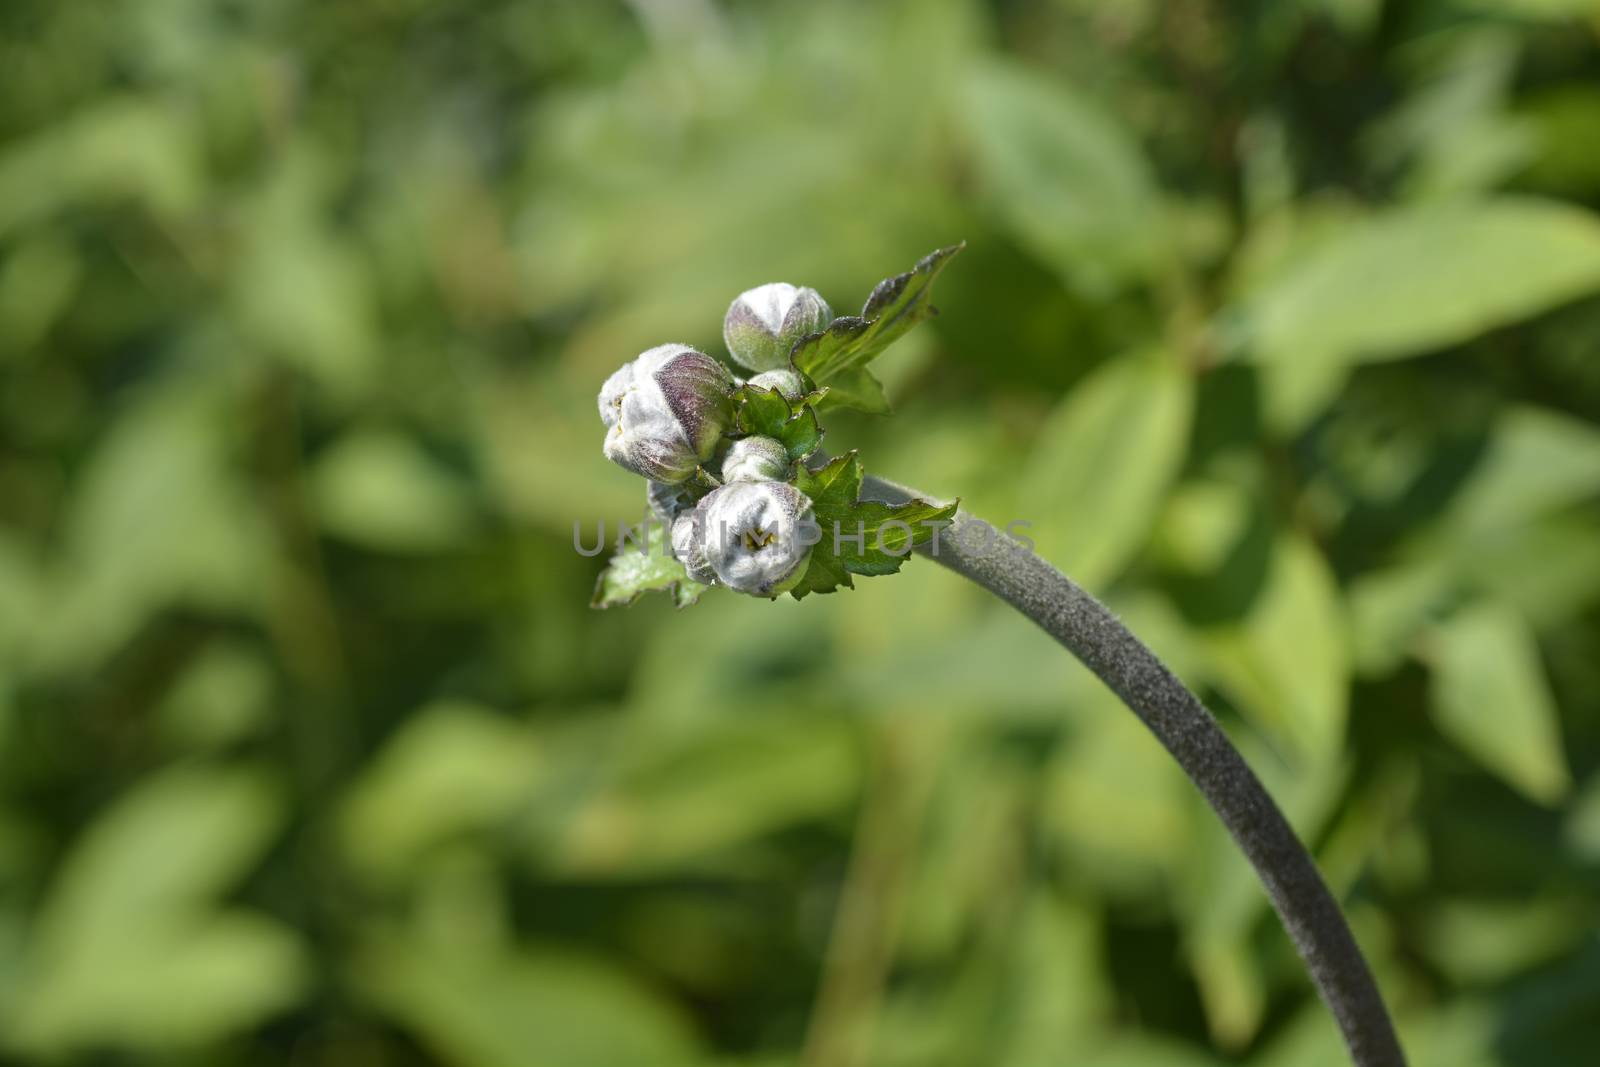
[311, 745]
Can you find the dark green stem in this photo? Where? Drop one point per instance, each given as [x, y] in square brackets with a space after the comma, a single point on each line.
[1088, 629]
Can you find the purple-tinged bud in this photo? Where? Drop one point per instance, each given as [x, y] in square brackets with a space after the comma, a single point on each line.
[763, 324]
[665, 412]
[756, 459]
[758, 536]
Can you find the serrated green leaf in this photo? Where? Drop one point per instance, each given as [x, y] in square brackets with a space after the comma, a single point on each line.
[1490, 696]
[834, 486]
[762, 412]
[648, 569]
[862, 537]
[1422, 278]
[802, 434]
[851, 342]
[859, 390]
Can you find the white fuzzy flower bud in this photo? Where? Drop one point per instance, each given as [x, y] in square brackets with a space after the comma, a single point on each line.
[665, 412]
[763, 324]
[756, 459]
[689, 546]
[758, 536]
[785, 381]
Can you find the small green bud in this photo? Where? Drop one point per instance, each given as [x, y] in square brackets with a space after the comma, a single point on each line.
[764, 323]
[785, 380]
[756, 459]
[665, 412]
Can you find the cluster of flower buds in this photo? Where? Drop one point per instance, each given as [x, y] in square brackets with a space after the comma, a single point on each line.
[734, 517]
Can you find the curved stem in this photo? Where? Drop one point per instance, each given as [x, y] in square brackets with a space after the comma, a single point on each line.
[1088, 629]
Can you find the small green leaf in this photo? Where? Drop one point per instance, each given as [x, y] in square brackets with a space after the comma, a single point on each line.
[1490, 696]
[857, 389]
[851, 342]
[636, 570]
[762, 412]
[802, 434]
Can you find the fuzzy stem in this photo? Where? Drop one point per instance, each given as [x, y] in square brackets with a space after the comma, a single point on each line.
[1088, 629]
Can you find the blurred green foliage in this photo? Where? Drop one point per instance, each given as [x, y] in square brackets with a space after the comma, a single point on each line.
[1280, 320]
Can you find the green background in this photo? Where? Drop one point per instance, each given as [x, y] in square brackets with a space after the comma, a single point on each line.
[1280, 321]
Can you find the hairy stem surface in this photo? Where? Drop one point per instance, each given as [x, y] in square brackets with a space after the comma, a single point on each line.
[1088, 629]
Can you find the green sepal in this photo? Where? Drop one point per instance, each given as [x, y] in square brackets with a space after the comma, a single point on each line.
[762, 412]
[637, 570]
[854, 540]
[853, 341]
[802, 434]
[765, 413]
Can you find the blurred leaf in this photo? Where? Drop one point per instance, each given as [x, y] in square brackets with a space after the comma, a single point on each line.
[679, 793]
[1060, 999]
[1583, 822]
[1103, 463]
[222, 696]
[380, 490]
[1068, 181]
[1488, 941]
[1286, 664]
[37, 283]
[537, 1008]
[129, 950]
[158, 516]
[119, 148]
[1490, 696]
[451, 769]
[1422, 278]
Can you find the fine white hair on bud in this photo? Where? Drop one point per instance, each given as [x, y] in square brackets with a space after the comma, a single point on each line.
[756, 459]
[665, 412]
[689, 546]
[758, 536]
[763, 323]
[786, 381]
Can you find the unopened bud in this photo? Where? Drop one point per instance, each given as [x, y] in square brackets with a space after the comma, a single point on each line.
[754, 536]
[785, 380]
[763, 324]
[756, 459]
[665, 412]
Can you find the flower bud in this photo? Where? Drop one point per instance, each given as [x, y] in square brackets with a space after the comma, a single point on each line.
[786, 381]
[758, 536]
[756, 459]
[764, 323]
[665, 412]
[667, 502]
[689, 546]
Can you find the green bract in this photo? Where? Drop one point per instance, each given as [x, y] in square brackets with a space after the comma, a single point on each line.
[744, 497]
